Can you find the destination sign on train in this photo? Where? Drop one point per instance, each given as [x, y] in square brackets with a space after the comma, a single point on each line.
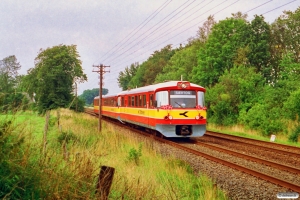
[180, 92]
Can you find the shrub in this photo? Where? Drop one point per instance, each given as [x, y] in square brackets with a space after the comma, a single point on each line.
[293, 137]
[67, 137]
[134, 155]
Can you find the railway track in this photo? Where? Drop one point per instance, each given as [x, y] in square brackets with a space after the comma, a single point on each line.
[215, 151]
[279, 148]
[267, 177]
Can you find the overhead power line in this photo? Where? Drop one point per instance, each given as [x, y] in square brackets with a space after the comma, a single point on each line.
[138, 28]
[123, 43]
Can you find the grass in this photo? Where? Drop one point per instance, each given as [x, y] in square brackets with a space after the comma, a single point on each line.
[241, 131]
[75, 152]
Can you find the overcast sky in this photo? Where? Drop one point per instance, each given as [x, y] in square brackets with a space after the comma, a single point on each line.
[115, 33]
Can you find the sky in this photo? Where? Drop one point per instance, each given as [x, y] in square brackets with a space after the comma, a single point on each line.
[114, 33]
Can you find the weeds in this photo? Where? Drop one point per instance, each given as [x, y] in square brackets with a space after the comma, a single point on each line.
[134, 155]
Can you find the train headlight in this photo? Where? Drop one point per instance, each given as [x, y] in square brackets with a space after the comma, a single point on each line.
[197, 117]
[183, 85]
[170, 117]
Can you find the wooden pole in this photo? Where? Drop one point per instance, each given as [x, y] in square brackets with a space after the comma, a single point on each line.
[45, 132]
[104, 182]
[101, 71]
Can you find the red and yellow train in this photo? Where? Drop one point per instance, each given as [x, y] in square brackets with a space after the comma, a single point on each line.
[173, 108]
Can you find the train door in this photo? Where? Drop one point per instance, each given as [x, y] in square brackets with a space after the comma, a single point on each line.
[119, 100]
[151, 110]
[145, 109]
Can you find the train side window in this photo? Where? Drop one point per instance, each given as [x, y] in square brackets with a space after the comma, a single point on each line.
[151, 100]
[144, 100]
[132, 101]
[122, 101]
[162, 98]
[126, 101]
[140, 101]
[201, 98]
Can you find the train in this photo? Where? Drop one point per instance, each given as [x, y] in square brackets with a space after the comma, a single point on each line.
[171, 109]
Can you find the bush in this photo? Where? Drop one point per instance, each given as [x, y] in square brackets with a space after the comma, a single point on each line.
[293, 137]
[67, 137]
[17, 181]
[134, 155]
[78, 105]
[266, 120]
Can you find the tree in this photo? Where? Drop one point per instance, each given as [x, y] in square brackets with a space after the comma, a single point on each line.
[220, 50]
[9, 67]
[126, 76]
[180, 64]
[155, 64]
[205, 30]
[10, 96]
[237, 91]
[259, 45]
[56, 70]
[285, 38]
[88, 95]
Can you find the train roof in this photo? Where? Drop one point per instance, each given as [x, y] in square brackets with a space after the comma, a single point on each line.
[154, 87]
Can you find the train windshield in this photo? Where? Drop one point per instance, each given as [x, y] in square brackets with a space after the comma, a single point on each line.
[183, 98]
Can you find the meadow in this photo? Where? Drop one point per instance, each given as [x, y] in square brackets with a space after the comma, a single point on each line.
[63, 160]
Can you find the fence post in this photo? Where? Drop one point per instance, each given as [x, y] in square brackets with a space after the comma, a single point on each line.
[104, 181]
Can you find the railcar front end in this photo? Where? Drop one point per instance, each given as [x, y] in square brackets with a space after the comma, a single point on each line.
[180, 110]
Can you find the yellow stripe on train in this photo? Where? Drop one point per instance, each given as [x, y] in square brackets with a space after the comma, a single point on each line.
[156, 113]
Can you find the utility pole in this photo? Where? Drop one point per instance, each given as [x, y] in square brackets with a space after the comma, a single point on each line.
[100, 70]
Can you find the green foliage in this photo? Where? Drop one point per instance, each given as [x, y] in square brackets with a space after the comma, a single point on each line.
[88, 95]
[67, 137]
[147, 71]
[56, 70]
[293, 137]
[259, 43]
[292, 106]
[138, 79]
[126, 76]
[289, 74]
[286, 33]
[180, 64]
[8, 141]
[134, 155]
[77, 104]
[11, 97]
[17, 181]
[264, 119]
[250, 69]
[9, 67]
[238, 89]
[220, 50]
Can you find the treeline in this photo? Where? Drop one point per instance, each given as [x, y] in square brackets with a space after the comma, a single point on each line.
[50, 84]
[250, 69]
[88, 95]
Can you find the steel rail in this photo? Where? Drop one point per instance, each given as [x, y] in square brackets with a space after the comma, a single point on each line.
[283, 183]
[235, 139]
[252, 158]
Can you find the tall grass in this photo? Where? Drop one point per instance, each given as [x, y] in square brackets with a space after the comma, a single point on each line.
[75, 152]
